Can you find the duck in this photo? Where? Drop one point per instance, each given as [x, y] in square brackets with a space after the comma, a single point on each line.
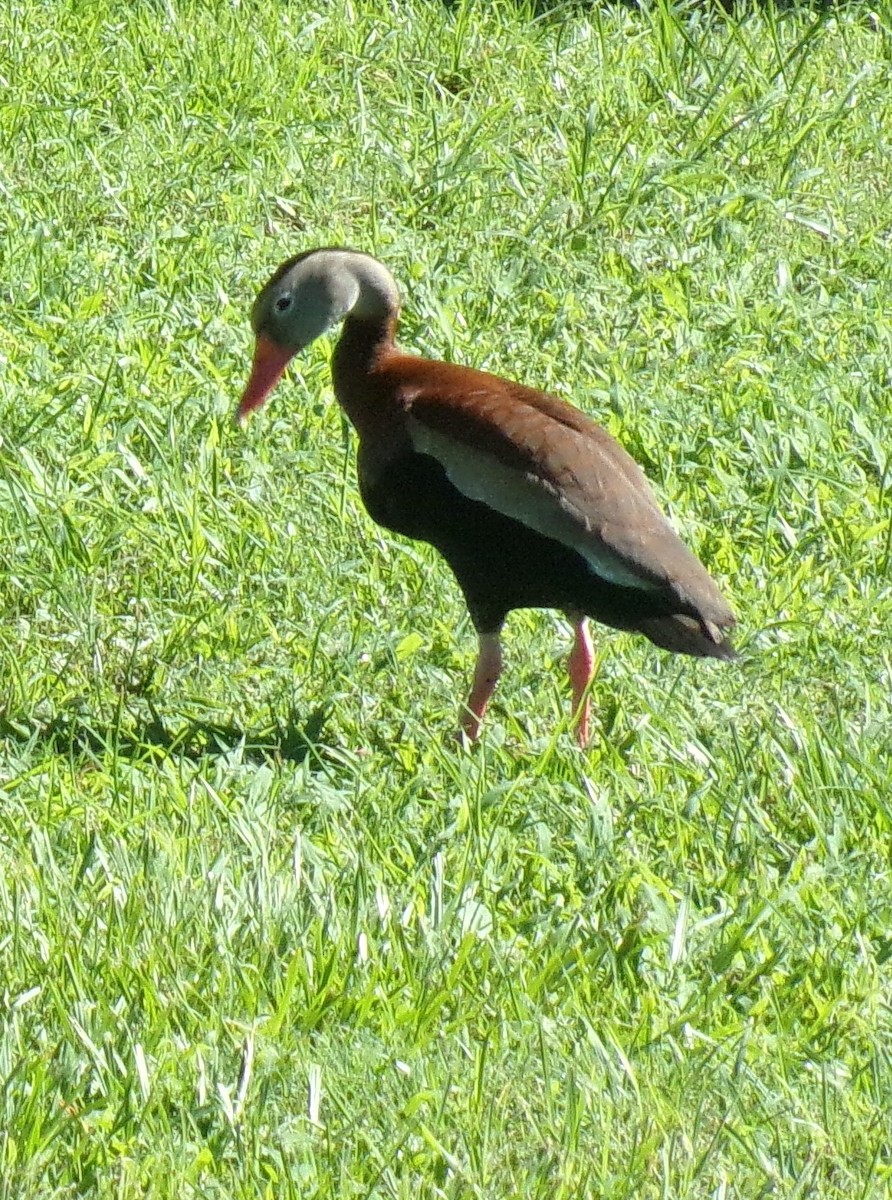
[530, 502]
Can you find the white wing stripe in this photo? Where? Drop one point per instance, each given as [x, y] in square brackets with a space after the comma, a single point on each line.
[525, 497]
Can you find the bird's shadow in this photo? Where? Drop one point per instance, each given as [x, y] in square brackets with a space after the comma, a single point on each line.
[292, 739]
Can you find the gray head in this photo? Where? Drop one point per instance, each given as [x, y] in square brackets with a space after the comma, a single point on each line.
[305, 297]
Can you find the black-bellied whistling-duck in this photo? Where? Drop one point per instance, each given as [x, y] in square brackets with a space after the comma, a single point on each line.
[530, 502]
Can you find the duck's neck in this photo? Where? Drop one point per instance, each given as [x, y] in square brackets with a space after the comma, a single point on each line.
[361, 349]
[366, 341]
[377, 296]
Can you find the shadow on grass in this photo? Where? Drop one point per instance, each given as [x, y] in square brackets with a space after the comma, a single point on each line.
[555, 9]
[291, 740]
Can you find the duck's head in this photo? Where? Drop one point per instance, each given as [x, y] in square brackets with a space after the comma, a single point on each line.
[305, 297]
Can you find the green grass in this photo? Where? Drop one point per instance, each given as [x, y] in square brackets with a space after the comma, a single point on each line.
[263, 930]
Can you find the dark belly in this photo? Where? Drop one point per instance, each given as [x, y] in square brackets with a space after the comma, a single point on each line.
[499, 563]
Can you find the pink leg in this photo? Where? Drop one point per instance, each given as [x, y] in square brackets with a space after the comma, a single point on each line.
[580, 666]
[486, 676]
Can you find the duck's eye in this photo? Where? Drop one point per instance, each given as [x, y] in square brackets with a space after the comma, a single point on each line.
[282, 303]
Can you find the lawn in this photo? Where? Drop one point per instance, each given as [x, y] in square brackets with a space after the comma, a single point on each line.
[265, 930]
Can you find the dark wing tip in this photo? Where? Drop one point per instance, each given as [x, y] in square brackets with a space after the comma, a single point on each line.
[684, 635]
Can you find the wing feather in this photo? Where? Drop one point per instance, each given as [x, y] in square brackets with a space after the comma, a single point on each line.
[538, 460]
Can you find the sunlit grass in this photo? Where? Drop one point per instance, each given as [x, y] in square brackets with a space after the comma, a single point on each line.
[264, 930]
